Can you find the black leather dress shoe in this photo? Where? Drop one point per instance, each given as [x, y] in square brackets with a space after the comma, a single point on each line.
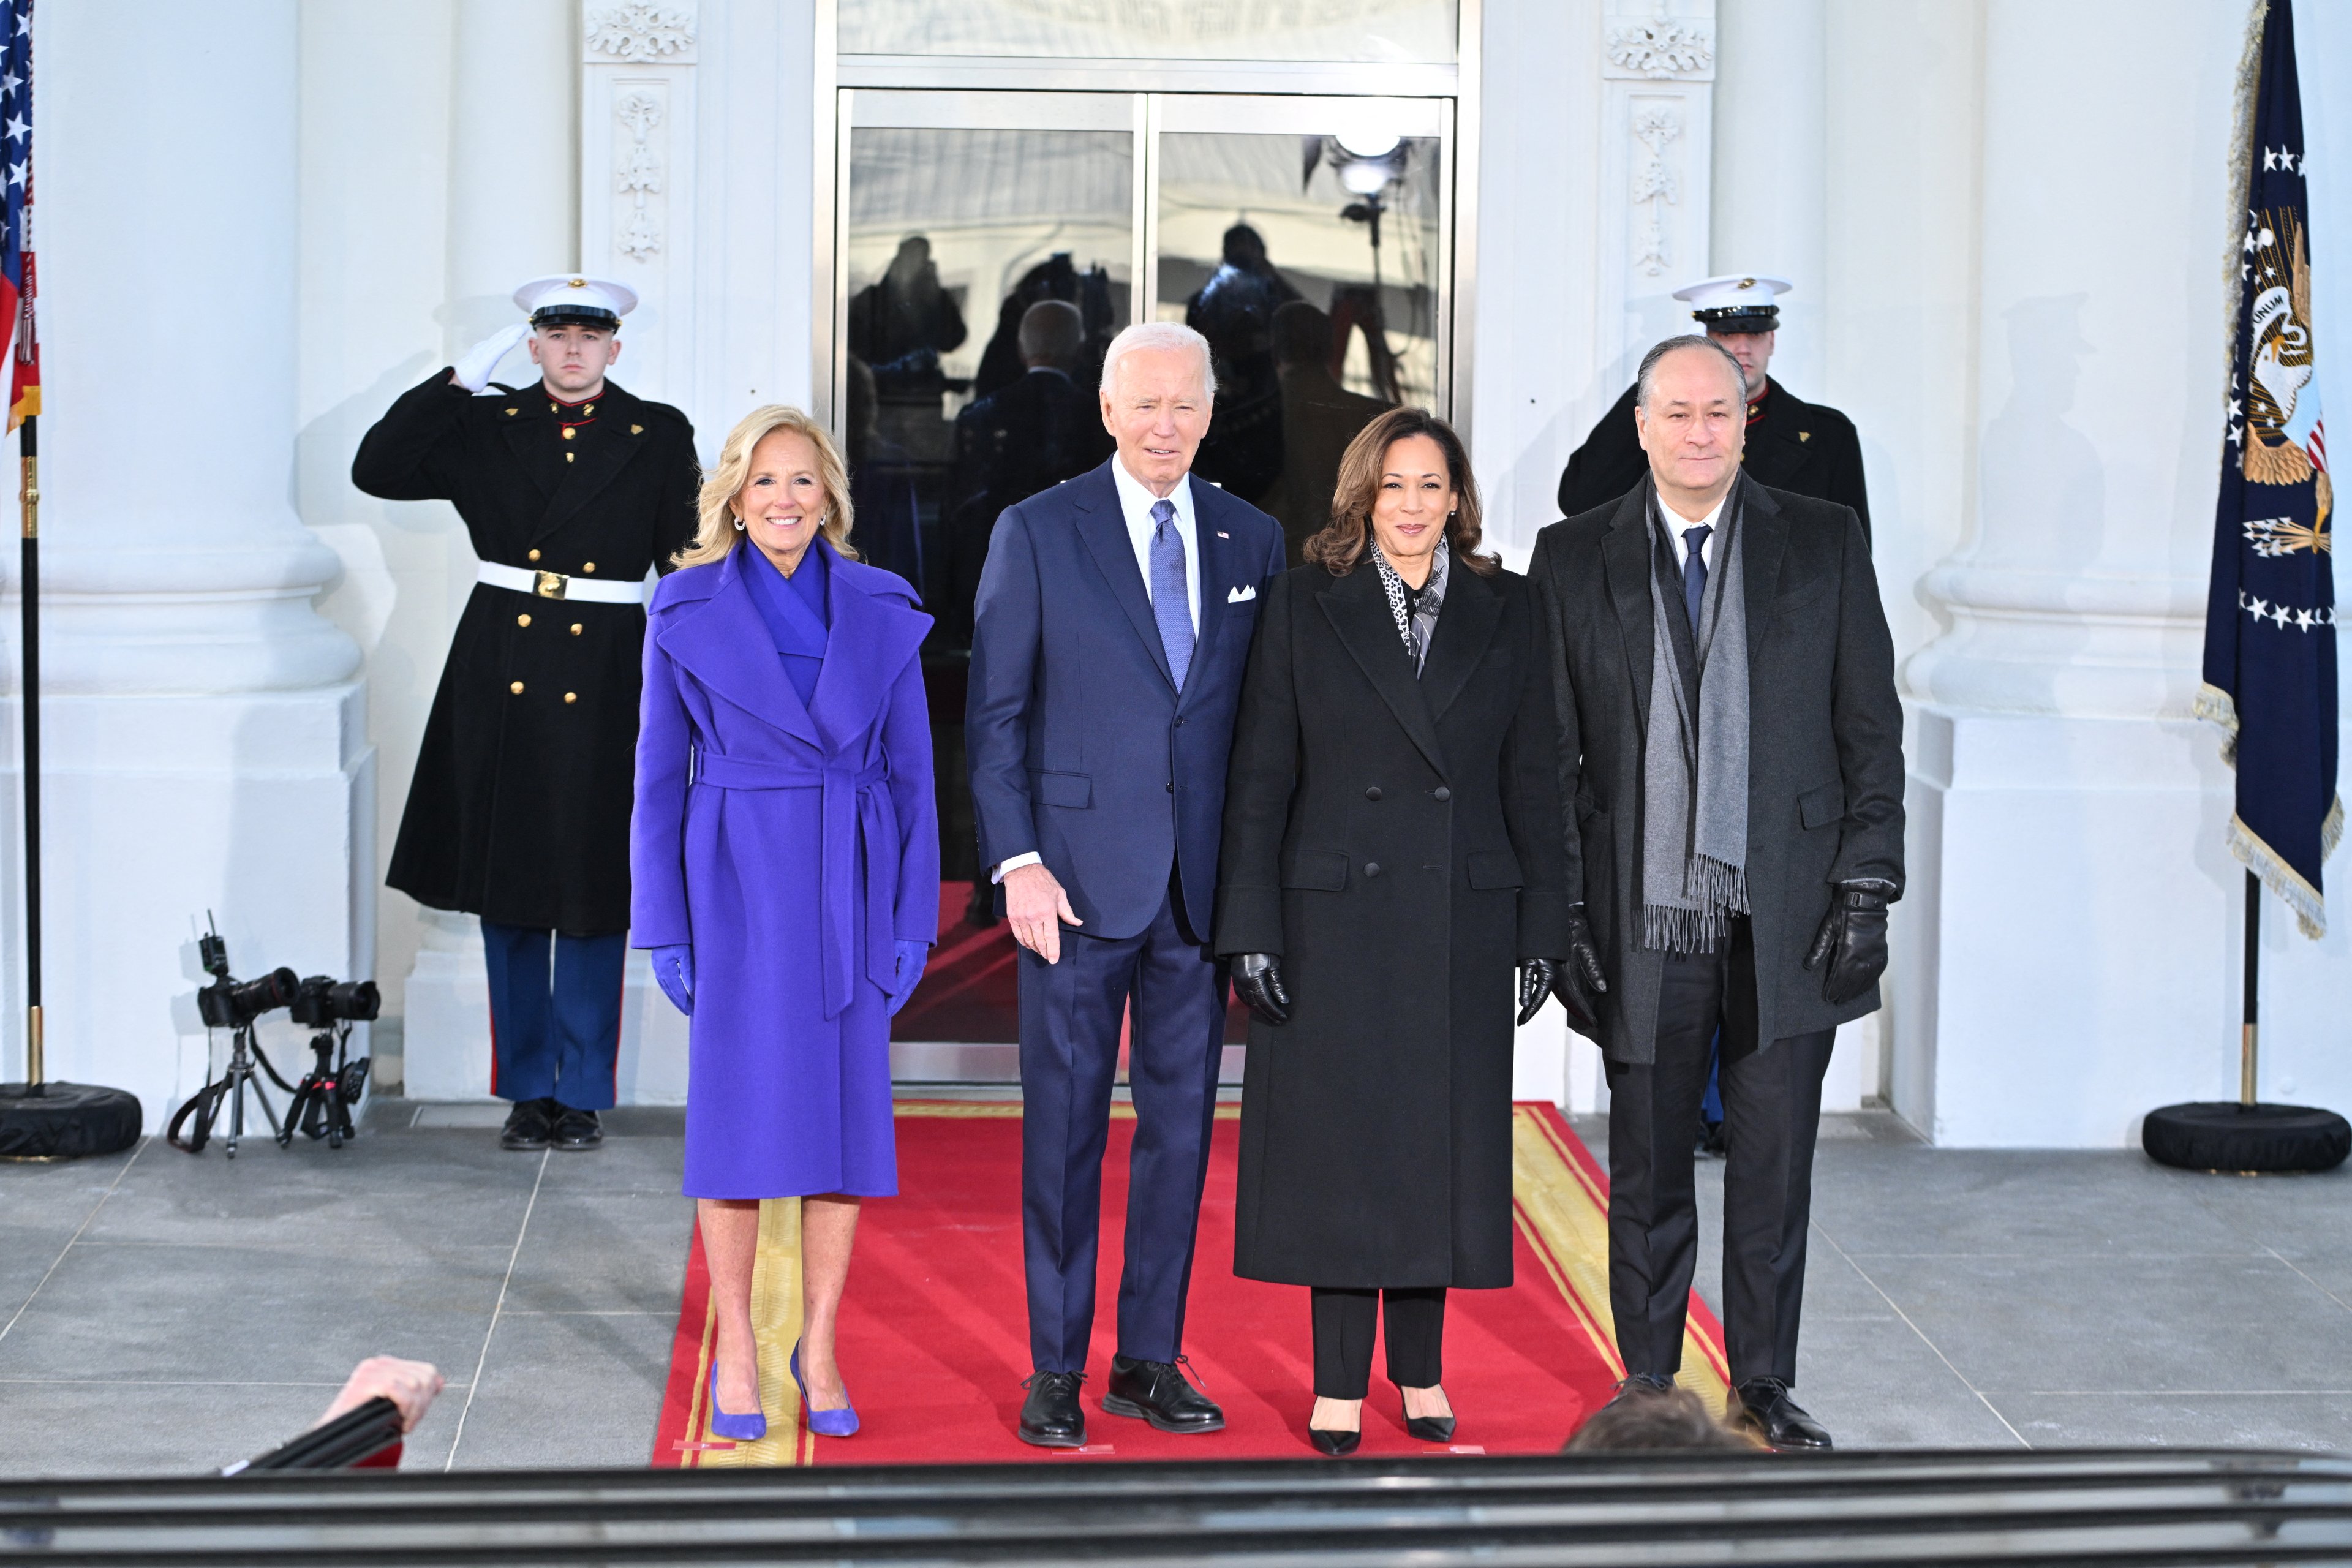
[1765, 1409]
[528, 1125]
[1050, 1416]
[577, 1128]
[1156, 1390]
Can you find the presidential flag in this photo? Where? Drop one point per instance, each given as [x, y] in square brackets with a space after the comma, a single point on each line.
[2270, 615]
[17, 339]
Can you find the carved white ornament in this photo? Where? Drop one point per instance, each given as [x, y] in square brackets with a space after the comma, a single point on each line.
[1654, 188]
[641, 31]
[640, 171]
[1662, 47]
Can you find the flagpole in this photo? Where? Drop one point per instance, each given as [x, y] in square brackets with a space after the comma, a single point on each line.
[2246, 1049]
[29, 690]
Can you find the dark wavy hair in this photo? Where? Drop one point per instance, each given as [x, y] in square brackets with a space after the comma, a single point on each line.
[1340, 546]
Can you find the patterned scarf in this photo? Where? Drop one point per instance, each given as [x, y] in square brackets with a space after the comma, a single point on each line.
[1416, 614]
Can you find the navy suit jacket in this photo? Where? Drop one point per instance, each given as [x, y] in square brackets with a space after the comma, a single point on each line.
[1082, 750]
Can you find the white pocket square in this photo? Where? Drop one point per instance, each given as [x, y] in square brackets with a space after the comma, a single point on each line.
[1242, 596]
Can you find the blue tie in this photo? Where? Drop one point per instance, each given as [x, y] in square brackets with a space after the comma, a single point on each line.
[1171, 601]
[1694, 571]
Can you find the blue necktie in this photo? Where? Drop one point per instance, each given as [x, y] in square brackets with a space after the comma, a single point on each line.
[1171, 601]
[1694, 571]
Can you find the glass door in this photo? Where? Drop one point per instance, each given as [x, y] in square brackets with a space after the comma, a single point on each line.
[988, 245]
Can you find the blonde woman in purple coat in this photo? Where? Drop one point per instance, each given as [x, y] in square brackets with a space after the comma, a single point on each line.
[785, 860]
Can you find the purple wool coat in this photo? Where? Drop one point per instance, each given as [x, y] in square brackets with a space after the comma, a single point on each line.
[793, 846]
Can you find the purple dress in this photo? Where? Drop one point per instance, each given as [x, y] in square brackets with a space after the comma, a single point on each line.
[793, 844]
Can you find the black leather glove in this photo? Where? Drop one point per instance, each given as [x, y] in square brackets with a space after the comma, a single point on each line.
[1537, 978]
[1852, 940]
[1578, 981]
[1258, 981]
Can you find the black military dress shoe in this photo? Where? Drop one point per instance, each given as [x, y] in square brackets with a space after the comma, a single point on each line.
[528, 1125]
[577, 1129]
[1156, 1390]
[1050, 1416]
[1765, 1409]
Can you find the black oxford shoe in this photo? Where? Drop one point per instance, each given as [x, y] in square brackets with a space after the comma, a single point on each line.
[1156, 1392]
[1767, 1410]
[528, 1125]
[1050, 1416]
[577, 1128]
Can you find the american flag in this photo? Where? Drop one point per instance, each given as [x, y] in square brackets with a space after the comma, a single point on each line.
[18, 338]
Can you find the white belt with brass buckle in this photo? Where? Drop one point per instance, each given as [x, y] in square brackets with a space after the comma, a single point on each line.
[556, 585]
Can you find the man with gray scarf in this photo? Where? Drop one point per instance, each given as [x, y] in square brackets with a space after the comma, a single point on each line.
[1734, 759]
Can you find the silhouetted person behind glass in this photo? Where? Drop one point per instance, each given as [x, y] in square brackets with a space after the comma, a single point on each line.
[1024, 439]
[1320, 417]
[1234, 311]
[888, 531]
[902, 321]
[1055, 278]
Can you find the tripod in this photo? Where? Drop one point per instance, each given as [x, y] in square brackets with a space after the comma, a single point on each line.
[234, 1080]
[321, 1106]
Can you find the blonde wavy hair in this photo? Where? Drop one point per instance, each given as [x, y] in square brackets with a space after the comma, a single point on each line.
[717, 534]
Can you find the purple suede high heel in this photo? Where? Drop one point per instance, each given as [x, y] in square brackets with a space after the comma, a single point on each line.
[738, 1428]
[841, 1423]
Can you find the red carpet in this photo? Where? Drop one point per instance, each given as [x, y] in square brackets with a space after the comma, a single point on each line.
[934, 1341]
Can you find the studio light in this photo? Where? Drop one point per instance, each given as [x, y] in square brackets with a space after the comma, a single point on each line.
[1366, 176]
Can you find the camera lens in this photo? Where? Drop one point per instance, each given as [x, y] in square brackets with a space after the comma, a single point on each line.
[326, 1000]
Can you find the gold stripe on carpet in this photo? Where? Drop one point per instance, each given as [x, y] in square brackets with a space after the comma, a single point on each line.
[776, 1325]
[1565, 1217]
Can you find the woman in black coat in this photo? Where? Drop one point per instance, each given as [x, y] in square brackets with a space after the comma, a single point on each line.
[1391, 846]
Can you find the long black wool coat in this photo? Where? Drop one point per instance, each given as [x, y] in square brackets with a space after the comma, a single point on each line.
[1397, 842]
[520, 808]
[1825, 742]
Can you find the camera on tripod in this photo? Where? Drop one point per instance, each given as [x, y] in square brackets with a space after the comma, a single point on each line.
[321, 1106]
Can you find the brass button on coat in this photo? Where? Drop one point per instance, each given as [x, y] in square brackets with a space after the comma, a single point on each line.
[568, 432]
[532, 556]
[522, 620]
[516, 688]
[587, 566]
[576, 628]
[572, 697]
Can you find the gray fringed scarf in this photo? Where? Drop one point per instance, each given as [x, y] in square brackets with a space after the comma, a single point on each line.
[1415, 626]
[1695, 766]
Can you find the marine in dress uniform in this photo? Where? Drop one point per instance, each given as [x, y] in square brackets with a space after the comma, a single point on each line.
[518, 812]
[1806, 448]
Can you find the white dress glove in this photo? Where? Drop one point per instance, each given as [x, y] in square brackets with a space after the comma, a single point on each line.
[473, 372]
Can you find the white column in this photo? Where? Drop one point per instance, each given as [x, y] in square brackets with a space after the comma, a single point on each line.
[206, 745]
[514, 162]
[1771, 171]
[2065, 958]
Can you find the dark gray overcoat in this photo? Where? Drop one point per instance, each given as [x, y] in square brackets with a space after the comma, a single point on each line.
[1824, 751]
[1398, 843]
[519, 810]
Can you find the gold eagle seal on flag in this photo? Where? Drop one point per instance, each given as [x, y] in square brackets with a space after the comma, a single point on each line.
[2280, 369]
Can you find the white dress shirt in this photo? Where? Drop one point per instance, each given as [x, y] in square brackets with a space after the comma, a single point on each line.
[1676, 524]
[1135, 504]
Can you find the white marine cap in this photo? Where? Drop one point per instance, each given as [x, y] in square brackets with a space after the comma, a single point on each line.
[571, 297]
[1741, 303]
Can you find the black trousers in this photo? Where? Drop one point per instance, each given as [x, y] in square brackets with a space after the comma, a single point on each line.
[1344, 1320]
[1771, 1110]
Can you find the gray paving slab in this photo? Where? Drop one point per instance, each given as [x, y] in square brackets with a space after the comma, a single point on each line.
[564, 1390]
[2221, 1323]
[2263, 1420]
[604, 1251]
[165, 1311]
[1980, 1202]
[1875, 1383]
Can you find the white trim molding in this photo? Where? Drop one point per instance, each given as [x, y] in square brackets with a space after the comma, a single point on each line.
[1657, 127]
[637, 32]
[638, 76]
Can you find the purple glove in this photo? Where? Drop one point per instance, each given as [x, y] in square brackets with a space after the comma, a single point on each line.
[674, 971]
[912, 956]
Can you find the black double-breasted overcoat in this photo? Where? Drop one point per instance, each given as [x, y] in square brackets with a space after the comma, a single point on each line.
[1808, 448]
[1398, 843]
[518, 811]
[1825, 742]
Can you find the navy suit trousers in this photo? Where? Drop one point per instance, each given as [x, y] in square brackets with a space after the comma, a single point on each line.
[555, 1030]
[1070, 1017]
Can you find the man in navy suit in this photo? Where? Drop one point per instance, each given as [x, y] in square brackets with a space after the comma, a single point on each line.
[1112, 624]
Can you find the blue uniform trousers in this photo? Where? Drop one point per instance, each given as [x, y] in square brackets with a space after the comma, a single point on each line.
[1070, 1015]
[555, 1030]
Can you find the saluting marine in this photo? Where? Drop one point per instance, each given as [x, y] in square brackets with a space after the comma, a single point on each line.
[1792, 445]
[518, 811]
